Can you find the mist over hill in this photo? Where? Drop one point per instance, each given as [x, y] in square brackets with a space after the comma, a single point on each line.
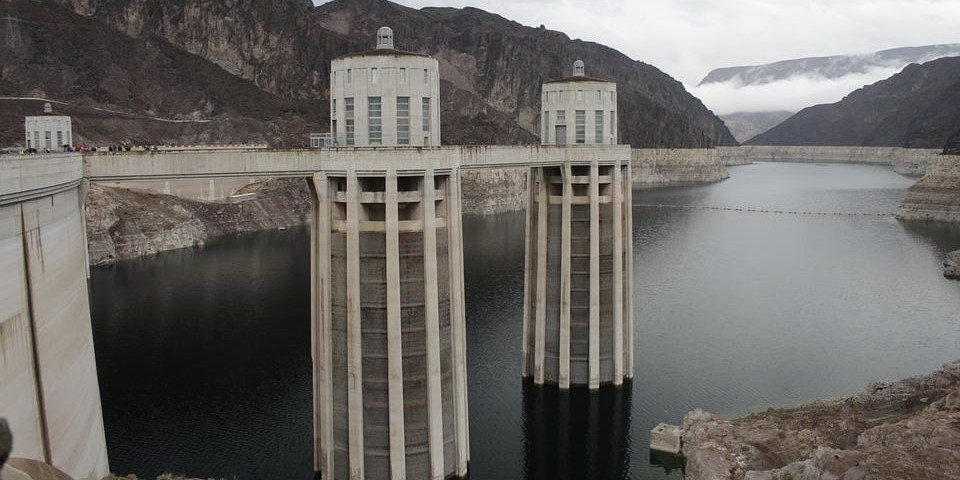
[918, 107]
[799, 83]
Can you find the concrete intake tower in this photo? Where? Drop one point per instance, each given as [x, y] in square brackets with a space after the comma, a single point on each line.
[390, 393]
[578, 328]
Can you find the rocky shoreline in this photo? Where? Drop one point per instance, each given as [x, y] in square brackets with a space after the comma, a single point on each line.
[936, 196]
[658, 167]
[124, 223]
[900, 430]
[951, 265]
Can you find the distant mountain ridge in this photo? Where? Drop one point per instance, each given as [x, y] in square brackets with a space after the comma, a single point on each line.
[491, 68]
[746, 125]
[916, 108]
[830, 67]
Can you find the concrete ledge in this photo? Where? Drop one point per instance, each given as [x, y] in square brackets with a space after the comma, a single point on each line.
[24, 177]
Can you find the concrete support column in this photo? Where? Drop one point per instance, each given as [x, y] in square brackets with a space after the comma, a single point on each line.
[618, 223]
[542, 195]
[628, 262]
[457, 322]
[354, 339]
[320, 326]
[431, 297]
[394, 333]
[528, 274]
[594, 275]
[565, 238]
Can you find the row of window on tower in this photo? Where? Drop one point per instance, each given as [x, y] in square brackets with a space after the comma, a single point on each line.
[558, 126]
[375, 133]
[33, 139]
[580, 96]
[375, 74]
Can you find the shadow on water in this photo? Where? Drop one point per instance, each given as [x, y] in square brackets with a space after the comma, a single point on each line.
[944, 237]
[577, 434]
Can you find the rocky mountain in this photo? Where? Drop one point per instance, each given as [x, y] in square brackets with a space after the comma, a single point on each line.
[491, 67]
[831, 67]
[120, 88]
[746, 125]
[918, 108]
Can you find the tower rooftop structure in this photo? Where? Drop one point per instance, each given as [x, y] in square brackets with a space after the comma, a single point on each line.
[578, 110]
[385, 97]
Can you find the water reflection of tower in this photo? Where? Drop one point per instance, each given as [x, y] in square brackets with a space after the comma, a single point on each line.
[576, 434]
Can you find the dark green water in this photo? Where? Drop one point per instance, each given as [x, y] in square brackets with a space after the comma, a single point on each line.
[203, 354]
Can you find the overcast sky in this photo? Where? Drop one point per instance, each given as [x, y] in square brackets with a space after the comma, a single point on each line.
[688, 38]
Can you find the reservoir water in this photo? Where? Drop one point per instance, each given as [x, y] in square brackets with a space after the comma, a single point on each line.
[204, 354]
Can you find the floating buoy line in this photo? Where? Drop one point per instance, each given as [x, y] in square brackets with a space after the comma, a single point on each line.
[764, 210]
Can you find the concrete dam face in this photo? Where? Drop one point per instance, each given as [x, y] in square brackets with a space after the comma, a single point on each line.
[48, 375]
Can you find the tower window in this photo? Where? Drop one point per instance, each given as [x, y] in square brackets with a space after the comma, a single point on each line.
[426, 76]
[374, 121]
[348, 116]
[403, 75]
[561, 117]
[349, 75]
[598, 127]
[581, 126]
[427, 117]
[546, 126]
[403, 120]
[374, 75]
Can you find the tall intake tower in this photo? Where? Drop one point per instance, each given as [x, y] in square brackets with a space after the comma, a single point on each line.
[385, 97]
[578, 328]
[388, 327]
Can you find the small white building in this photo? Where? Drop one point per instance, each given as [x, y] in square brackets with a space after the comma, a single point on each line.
[385, 97]
[48, 131]
[578, 110]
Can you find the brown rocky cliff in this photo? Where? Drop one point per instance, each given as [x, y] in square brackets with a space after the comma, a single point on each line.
[285, 46]
[139, 90]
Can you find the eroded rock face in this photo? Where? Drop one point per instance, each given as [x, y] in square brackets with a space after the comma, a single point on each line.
[951, 265]
[677, 166]
[123, 223]
[936, 196]
[892, 431]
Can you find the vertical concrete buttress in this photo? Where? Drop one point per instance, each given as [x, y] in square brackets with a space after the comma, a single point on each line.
[578, 328]
[389, 346]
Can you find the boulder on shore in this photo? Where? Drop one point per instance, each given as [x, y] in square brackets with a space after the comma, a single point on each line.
[951, 265]
[891, 431]
[953, 145]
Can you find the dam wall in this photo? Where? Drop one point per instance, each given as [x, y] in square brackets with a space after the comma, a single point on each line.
[654, 167]
[48, 377]
[905, 161]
